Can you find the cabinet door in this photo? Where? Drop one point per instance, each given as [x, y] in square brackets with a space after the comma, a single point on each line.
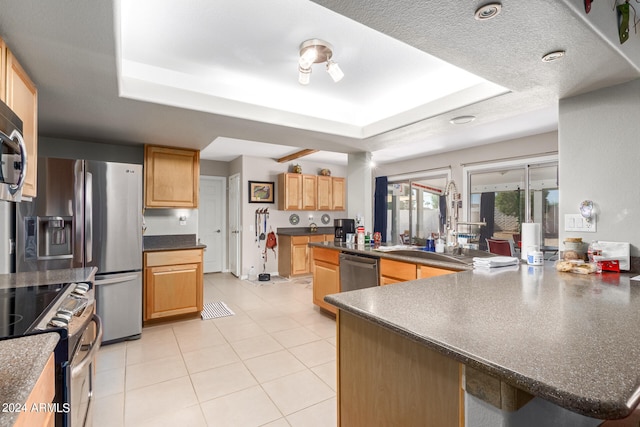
[402, 271]
[22, 98]
[427, 271]
[172, 177]
[3, 71]
[326, 280]
[290, 191]
[325, 201]
[338, 193]
[173, 290]
[309, 192]
[299, 255]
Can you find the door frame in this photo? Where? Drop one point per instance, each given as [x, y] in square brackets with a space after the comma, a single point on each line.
[235, 202]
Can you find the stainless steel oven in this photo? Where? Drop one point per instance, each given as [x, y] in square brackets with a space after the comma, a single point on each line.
[69, 310]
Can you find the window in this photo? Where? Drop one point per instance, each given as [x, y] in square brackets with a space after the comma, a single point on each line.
[413, 207]
[507, 194]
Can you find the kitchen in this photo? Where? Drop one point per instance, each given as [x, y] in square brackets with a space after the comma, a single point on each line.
[590, 163]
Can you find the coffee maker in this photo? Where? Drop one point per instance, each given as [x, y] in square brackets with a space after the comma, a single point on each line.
[342, 227]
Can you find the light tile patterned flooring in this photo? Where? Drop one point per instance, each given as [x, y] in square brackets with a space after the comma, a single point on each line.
[271, 364]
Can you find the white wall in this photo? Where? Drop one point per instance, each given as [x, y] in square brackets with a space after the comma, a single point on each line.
[527, 146]
[165, 221]
[262, 169]
[599, 153]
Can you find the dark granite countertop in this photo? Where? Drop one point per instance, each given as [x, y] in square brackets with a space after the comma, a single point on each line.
[568, 338]
[170, 242]
[370, 251]
[47, 277]
[21, 363]
[303, 231]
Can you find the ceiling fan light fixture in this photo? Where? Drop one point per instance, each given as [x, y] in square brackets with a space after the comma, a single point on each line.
[304, 75]
[334, 71]
[488, 11]
[315, 51]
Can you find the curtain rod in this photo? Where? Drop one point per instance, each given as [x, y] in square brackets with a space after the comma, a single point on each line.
[418, 173]
[529, 156]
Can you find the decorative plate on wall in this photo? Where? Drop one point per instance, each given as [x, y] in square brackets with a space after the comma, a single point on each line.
[294, 219]
[325, 219]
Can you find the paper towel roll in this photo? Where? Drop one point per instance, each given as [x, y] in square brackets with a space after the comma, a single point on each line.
[531, 236]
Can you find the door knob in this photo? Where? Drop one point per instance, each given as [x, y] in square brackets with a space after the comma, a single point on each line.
[218, 230]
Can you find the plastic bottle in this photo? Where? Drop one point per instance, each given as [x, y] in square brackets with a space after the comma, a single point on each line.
[252, 273]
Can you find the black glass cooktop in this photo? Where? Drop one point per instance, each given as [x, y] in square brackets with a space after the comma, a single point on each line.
[21, 308]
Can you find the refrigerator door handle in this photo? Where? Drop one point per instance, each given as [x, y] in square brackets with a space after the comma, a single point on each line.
[88, 218]
[100, 282]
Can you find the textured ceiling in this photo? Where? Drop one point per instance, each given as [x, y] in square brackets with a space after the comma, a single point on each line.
[68, 47]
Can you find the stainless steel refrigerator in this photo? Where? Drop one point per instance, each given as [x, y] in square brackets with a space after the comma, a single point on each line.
[89, 214]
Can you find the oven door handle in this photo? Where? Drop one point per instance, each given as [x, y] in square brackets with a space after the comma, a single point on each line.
[78, 369]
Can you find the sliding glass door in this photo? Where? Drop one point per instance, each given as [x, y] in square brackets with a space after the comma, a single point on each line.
[413, 212]
[505, 196]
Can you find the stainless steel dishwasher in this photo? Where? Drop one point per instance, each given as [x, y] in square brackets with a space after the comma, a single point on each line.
[358, 272]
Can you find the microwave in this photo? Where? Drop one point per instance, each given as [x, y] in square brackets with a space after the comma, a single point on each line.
[13, 155]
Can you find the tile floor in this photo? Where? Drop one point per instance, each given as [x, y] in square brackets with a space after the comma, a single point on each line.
[271, 364]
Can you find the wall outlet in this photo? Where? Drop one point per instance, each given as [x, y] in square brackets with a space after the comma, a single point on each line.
[576, 222]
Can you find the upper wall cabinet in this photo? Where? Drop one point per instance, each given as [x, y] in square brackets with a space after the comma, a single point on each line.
[310, 192]
[172, 177]
[21, 95]
[296, 192]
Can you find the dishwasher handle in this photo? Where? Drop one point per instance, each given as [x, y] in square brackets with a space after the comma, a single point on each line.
[358, 259]
[359, 264]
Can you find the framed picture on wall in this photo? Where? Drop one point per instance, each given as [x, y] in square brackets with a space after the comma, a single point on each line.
[261, 192]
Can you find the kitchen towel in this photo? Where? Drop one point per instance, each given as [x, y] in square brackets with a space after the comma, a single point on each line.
[496, 261]
[531, 237]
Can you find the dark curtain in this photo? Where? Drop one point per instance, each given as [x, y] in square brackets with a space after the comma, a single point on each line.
[443, 216]
[487, 209]
[380, 207]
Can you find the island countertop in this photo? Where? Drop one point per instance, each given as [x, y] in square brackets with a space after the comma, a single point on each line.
[570, 339]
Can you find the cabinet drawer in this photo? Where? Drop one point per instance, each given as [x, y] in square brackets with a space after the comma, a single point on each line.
[299, 240]
[327, 255]
[427, 271]
[186, 256]
[398, 270]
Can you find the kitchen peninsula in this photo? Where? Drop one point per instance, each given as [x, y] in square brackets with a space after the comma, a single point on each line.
[567, 339]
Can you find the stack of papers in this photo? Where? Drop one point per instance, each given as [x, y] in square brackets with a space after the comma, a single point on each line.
[496, 261]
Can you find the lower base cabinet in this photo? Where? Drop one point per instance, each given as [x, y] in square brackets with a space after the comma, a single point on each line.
[42, 394]
[172, 283]
[385, 379]
[326, 276]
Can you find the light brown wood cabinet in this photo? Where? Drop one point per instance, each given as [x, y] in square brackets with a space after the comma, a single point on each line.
[172, 177]
[21, 95]
[385, 379]
[172, 283]
[294, 254]
[392, 271]
[331, 193]
[326, 276]
[310, 192]
[43, 393]
[297, 192]
[338, 193]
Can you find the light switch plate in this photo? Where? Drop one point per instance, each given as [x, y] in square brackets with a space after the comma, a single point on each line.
[576, 222]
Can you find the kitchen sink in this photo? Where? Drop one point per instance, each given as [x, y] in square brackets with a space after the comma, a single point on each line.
[460, 256]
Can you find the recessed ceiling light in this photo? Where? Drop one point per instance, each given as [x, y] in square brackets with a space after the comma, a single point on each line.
[460, 120]
[488, 11]
[553, 56]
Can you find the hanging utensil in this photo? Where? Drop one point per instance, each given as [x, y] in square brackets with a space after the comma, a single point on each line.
[263, 235]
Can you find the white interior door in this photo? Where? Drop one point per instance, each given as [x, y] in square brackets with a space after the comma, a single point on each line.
[211, 221]
[235, 266]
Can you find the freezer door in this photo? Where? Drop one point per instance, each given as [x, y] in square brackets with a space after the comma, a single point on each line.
[113, 216]
[119, 305]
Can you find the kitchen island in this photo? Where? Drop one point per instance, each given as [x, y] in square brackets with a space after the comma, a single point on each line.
[567, 339]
